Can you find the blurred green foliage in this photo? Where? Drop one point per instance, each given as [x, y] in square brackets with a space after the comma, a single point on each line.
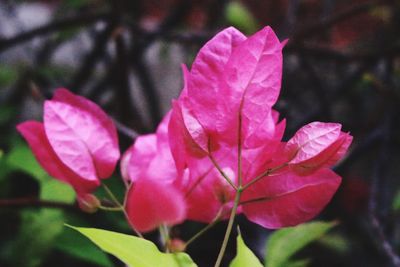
[285, 243]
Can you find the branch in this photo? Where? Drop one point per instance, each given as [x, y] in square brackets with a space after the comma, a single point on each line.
[36, 203]
[99, 45]
[53, 26]
[137, 52]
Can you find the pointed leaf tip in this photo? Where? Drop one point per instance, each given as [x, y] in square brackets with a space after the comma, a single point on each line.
[244, 257]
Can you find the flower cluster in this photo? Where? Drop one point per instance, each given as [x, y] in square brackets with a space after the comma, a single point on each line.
[219, 149]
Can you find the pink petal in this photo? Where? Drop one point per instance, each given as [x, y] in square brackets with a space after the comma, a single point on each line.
[150, 156]
[140, 155]
[194, 128]
[207, 188]
[204, 89]
[35, 135]
[150, 203]
[326, 158]
[162, 166]
[64, 126]
[124, 164]
[312, 139]
[253, 80]
[289, 199]
[95, 129]
[181, 141]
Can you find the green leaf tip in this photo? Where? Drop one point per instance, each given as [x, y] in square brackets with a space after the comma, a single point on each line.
[244, 257]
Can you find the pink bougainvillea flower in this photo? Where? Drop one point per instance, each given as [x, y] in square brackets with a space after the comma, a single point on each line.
[77, 143]
[154, 197]
[224, 119]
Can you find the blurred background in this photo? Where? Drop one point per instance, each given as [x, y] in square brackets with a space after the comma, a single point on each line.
[342, 64]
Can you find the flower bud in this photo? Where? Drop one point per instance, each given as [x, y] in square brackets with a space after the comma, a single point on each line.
[176, 245]
[88, 203]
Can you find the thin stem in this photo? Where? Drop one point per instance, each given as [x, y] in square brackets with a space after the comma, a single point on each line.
[221, 171]
[111, 195]
[164, 233]
[262, 175]
[110, 208]
[205, 229]
[229, 228]
[116, 201]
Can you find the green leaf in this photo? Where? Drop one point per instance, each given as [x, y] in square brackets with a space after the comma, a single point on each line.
[335, 242]
[55, 190]
[21, 158]
[244, 257]
[134, 251]
[239, 16]
[284, 243]
[76, 245]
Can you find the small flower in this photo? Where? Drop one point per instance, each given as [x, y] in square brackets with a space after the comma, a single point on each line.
[77, 143]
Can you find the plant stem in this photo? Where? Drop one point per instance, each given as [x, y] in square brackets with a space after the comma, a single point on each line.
[229, 228]
[110, 208]
[264, 174]
[216, 165]
[221, 171]
[164, 233]
[205, 229]
[116, 202]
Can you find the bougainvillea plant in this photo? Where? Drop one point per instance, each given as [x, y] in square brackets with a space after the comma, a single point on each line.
[217, 153]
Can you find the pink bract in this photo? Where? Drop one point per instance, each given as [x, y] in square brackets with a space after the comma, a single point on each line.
[77, 143]
[154, 197]
[151, 203]
[226, 106]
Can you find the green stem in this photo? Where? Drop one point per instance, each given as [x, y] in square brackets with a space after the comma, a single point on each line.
[216, 165]
[205, 229]
[262, 175]
[116, 202]
[222, 172]
[229, 228]
[111, 195]
[164, 233]
[110, 208]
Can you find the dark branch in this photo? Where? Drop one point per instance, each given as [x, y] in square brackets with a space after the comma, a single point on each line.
[54, 26]
[36, 203]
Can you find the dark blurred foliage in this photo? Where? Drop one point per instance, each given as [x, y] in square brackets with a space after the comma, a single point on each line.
[342, 64]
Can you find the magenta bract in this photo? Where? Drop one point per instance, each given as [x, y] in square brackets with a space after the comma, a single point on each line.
[153, 197]
[77, 143]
